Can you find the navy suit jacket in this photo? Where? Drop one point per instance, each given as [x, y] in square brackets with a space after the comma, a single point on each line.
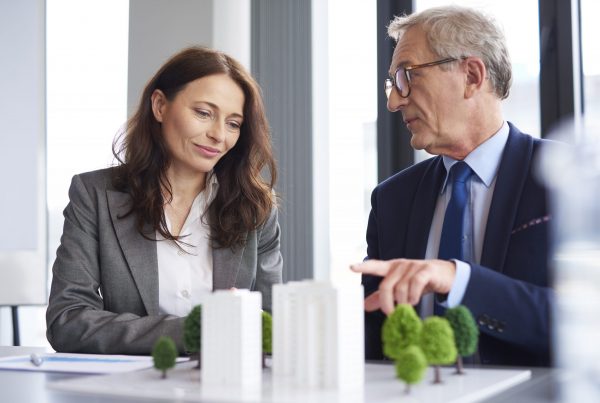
[508, 292]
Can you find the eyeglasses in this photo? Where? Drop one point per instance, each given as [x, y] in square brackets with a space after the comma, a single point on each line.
[401, 79]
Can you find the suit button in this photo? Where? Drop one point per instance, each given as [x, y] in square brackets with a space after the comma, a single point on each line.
[500, 327]
[483, 320]
[185, 294]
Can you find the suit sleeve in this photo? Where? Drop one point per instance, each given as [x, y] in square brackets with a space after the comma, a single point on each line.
[270, 262]
[76, 318]
[510, 310]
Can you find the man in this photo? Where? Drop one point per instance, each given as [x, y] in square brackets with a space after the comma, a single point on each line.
[475, 235]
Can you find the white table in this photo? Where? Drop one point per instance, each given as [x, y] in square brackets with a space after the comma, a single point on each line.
[23, 386]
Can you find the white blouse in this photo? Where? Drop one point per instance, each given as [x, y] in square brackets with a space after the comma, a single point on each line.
[185, 278]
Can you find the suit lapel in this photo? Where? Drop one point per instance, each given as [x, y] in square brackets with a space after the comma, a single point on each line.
[139, 252]
[421, 214]
[516, 159]
[226, 265]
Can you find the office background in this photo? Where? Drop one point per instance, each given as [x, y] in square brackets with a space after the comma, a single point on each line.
[321, 64]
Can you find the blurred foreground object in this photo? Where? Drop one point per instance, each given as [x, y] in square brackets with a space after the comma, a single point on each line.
[572, 173]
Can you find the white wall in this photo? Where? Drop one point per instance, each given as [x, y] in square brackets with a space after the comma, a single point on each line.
[22, 153]
[22, 158]
[231, 29]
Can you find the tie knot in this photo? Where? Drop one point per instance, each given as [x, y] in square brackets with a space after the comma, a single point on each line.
[461, 172]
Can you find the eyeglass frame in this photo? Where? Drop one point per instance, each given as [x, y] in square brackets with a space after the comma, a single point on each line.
[390, 83]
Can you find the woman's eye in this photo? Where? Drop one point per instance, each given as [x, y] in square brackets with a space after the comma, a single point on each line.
[203, 113]
[234, 125]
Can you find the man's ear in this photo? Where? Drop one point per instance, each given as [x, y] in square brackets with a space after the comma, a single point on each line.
[476, 75]
[159, 101]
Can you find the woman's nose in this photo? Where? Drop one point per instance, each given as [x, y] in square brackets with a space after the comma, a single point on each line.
[217, 131]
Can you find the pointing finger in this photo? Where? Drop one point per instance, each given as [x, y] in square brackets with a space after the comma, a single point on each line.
[376, 267]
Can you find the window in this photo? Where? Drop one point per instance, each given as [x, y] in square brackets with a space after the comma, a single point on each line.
[86, 106]
[353, 93]
[590, 31]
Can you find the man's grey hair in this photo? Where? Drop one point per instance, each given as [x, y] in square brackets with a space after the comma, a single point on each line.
[454, 31]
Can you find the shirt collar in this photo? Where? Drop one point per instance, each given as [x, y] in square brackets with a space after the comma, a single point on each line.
[212, 186]
[204, 198]
[483, 160]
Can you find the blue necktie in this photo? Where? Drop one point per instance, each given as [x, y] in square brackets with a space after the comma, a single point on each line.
[451, 240]
[451, 245]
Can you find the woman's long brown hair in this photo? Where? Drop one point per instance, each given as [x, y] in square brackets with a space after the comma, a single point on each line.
[244, 199]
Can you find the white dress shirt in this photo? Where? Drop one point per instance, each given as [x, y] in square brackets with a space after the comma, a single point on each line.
[185, 278]
[485, 162]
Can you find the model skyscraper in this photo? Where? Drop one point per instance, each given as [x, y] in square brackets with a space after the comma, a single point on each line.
[232, 338]
[318, 336]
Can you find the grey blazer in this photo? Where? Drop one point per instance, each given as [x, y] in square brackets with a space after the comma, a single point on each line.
[104, 294]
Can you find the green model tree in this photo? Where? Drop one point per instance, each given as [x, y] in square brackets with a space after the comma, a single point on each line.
[401, 329]
[191, 334]
[164, 354]
[465, 331]
[437, 342]
[411, 365]
[267, 336]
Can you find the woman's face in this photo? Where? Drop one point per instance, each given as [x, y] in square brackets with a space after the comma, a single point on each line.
[201, 123]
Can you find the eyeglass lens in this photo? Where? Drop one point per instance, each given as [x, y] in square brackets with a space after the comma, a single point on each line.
[401, 83]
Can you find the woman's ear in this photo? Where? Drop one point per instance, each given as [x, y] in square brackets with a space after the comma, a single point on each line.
[158, 100]
[476, 75]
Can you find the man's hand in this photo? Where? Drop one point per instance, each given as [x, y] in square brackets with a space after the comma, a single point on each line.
[405, 281]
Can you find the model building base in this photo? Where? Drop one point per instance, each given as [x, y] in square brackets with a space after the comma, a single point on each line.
[183, 384]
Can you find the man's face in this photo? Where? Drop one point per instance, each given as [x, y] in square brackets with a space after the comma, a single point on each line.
[433, 110]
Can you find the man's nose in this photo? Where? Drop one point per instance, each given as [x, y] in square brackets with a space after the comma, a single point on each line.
[395, 102]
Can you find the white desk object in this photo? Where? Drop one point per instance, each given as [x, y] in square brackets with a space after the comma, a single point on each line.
[183, 383]
[78, 363]
[232, 338]
[318, 336]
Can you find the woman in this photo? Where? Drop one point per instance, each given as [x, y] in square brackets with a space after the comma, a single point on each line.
[184, 212]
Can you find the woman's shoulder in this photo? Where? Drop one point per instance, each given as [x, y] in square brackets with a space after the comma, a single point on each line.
[98, 178]
[272, 219]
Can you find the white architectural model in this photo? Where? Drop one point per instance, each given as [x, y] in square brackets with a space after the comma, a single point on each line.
[318, 334]
[232, 338]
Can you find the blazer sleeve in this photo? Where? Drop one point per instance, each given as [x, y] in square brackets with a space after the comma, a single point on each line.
[511, 310]
[76, 317]
[269, 261]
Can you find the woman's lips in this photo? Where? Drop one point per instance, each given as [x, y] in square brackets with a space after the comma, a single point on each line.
[207, 151]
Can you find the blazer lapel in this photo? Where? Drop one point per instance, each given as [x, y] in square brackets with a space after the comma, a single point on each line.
[140, 253]
[421, 214]
[226, 265]
[516, 159]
